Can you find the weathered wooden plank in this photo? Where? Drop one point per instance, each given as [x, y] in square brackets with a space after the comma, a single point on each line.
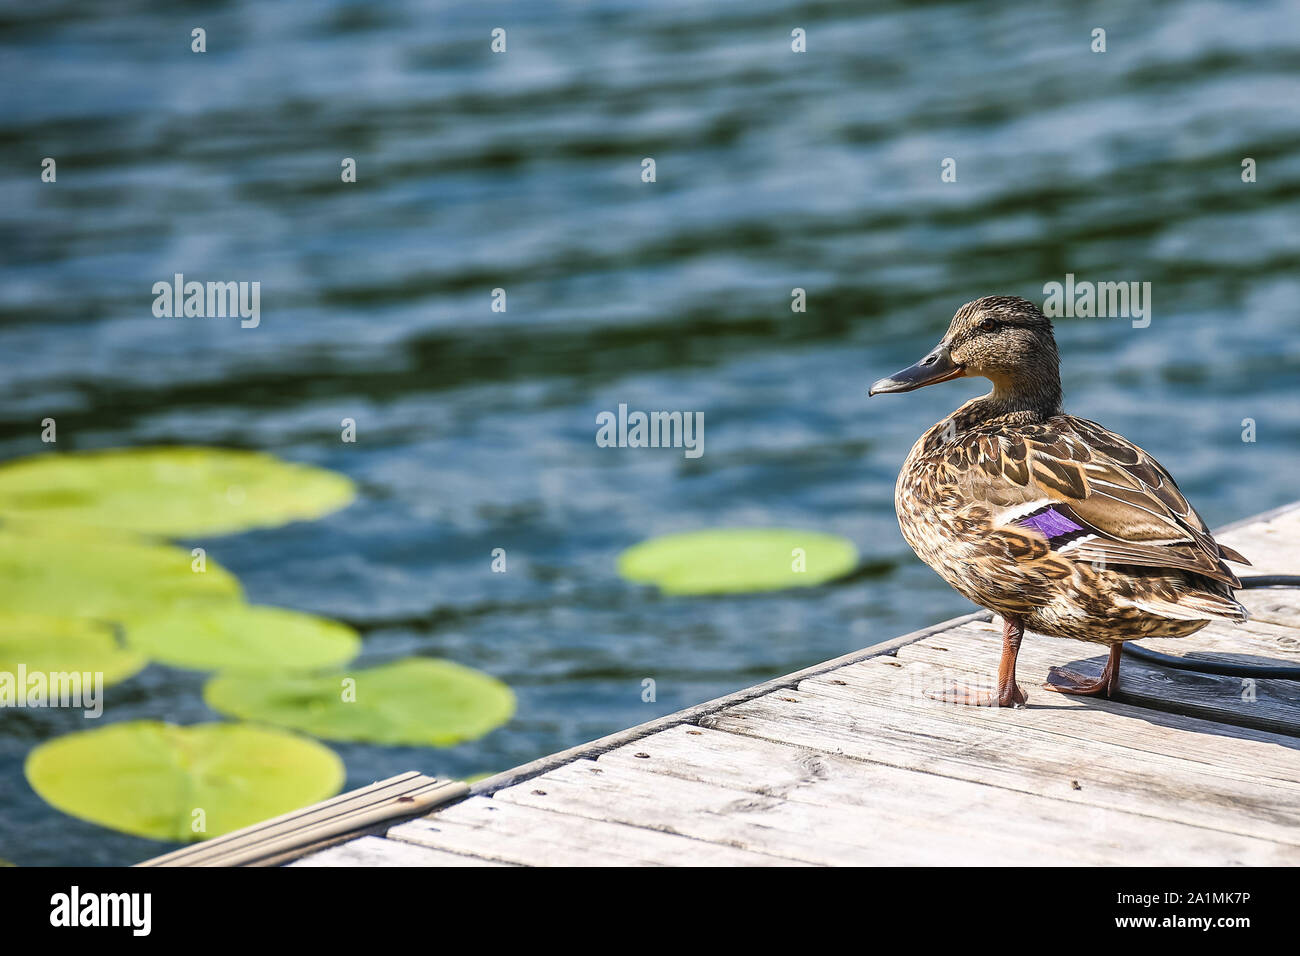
[734, 817]
[814, 724]
[376, 851]
[911, 800]
[1267, 704]
[1279, 606]
[1270, 545]
[1156, 738]
[1003, 747]
[514, 833]
[931, 743]
[1254, 643]
[936, 828]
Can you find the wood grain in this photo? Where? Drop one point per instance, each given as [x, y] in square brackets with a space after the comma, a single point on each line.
[376, 851]
[515, 832]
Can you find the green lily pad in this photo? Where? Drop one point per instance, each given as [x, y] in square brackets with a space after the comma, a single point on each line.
[46, 644]
[416, 701]
[148, 778]
[65, 576]
[241, 637]
[738, 560]
[170, 492]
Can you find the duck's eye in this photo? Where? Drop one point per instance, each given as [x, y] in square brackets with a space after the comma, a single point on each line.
[988, 325]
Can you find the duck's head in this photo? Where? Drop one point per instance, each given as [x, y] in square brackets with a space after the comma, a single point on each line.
[1005, 339]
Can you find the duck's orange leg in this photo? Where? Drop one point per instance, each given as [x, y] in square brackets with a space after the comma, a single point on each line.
[1065, 681]
[1008, 694]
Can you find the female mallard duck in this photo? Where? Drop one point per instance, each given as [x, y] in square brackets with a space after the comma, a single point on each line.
[1053, 522]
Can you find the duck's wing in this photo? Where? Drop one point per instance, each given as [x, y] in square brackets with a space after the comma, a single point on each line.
[1097, 497]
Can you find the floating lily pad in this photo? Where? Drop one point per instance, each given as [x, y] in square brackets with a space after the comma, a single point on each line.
[241, 637]
[738, 560]
[29, 526]
[147, 778]
[46, 644]
[64, 576]
[416, 701]
[170, 492]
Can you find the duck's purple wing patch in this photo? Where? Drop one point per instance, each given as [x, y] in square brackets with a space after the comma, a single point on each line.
[1051, 524]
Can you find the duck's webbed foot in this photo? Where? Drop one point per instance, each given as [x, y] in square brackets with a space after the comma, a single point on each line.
[955, 693]
[1065, 681]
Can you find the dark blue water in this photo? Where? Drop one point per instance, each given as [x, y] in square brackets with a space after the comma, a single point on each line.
[522, 171]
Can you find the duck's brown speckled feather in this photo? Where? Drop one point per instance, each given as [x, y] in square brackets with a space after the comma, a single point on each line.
[1132, 558]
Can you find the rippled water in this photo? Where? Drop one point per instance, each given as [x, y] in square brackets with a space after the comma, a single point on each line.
[522, 171]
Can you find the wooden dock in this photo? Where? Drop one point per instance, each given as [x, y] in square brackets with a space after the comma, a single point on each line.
[849, 762]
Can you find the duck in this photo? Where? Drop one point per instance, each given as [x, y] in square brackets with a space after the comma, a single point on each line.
[1054, 523]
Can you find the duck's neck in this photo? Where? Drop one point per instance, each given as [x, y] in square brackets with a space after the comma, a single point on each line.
[1019, 402]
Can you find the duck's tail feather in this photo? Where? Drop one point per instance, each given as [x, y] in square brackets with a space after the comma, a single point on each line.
[1197, 606]
[1231, 553]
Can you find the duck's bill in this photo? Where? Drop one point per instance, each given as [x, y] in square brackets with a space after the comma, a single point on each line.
[936, 367]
